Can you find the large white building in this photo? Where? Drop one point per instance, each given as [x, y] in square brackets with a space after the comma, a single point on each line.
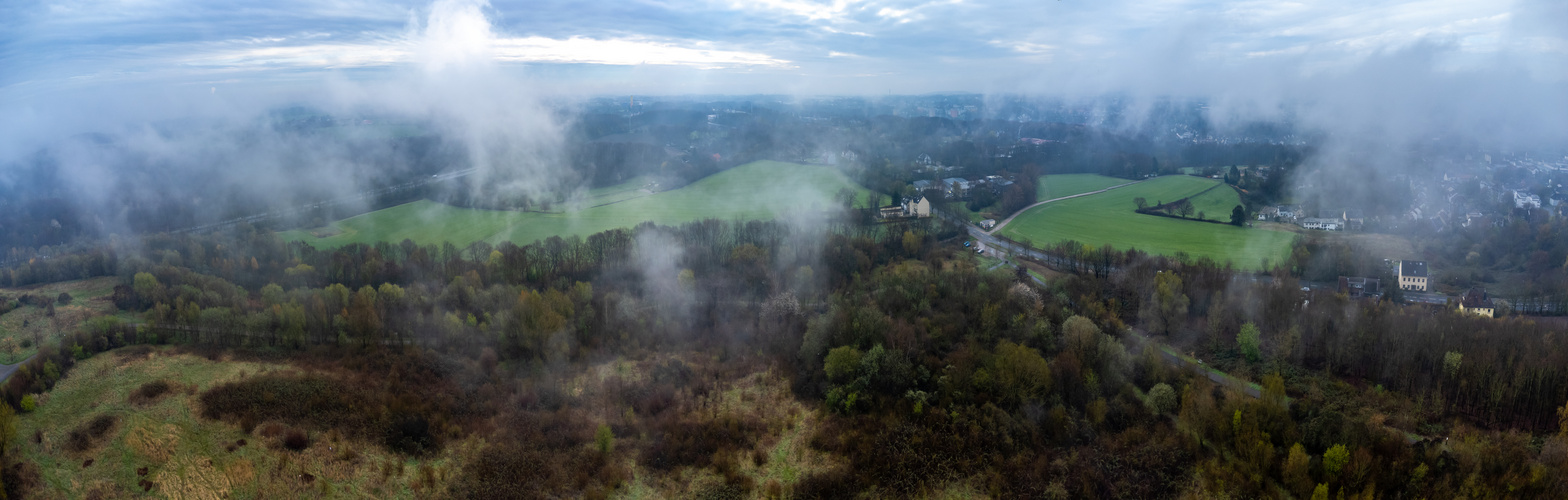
[918, 206]
[1412, 275]
[1324, 224]
[1522, 200]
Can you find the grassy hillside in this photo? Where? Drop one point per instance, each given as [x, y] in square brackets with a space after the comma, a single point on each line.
[758, 190]
[1108, 218]
[163, 441]
[155, 443]
[1056, 186]
[21, 330]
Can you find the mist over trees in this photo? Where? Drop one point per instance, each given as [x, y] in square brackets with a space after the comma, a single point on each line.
[302, 167]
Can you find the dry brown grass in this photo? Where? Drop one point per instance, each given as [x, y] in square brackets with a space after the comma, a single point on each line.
[193, 477]
[157, 443]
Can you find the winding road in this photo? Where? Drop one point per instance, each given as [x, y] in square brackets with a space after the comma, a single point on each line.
[7, 370]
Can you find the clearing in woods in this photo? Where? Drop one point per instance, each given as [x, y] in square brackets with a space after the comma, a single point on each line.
[757, 190]
[1109, 219]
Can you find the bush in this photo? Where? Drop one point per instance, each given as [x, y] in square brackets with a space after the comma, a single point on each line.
[842, 363]
[604, 439]
[409, 433]
[1334, 459]
[297, 400]
[541, 456]
[296, 440]
[29, 403]
[679, 444]
[1249, 343]
[64, 298]
[150, 392]
[84, 436]
[1020, 372]
[1162, 399]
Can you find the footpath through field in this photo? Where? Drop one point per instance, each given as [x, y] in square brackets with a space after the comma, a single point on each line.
[1010, 218]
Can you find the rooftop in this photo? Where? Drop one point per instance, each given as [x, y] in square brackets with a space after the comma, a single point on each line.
[1412, 268]
[1476, 297]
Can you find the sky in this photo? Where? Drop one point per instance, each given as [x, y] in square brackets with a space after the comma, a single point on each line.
[770, 46]
[1394, 64]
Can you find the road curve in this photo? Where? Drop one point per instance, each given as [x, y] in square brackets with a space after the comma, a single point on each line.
[1009, 218]
[7, 370]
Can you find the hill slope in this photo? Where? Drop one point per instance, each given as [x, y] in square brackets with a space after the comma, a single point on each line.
[758, 190]
[1108, 218]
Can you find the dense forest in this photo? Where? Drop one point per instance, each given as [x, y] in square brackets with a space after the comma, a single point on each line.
[1059, 381]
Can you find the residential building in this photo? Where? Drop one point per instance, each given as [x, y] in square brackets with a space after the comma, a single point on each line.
[1357, 287]
[988, 224]
[955, 187]
[1323, 224]
[1268, 213]
[1412, 275]
[918, 206]
[909, 207]
[1526, 200]
[1475, 301]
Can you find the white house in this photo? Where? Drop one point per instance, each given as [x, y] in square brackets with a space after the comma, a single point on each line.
[1412, 275]
[918, 206]
[1323, 224]
[1522, 200]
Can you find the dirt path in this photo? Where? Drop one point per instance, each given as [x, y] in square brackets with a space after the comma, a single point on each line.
[1004, 222]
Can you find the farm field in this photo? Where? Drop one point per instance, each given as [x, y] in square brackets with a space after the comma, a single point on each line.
[1050, 187]
[637, 187]
[1056, 186]
[1109, 218]
[1216, 204]
[758, 190]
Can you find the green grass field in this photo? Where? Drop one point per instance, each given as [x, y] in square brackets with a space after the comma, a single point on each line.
[758, 190]
[1056, 186]
[1109, 218]
[1216, 204]
[1050, 187]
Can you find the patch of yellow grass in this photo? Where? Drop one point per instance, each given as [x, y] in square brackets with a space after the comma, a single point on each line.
[193, 478]
[155, 442]
[242, 471]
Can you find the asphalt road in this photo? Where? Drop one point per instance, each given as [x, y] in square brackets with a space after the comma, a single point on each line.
[7, 370]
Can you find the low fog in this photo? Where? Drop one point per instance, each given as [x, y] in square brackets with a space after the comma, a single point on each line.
[465, 89]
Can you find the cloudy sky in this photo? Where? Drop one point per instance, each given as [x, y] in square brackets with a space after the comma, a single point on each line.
[786, 46]
[1372, 68]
